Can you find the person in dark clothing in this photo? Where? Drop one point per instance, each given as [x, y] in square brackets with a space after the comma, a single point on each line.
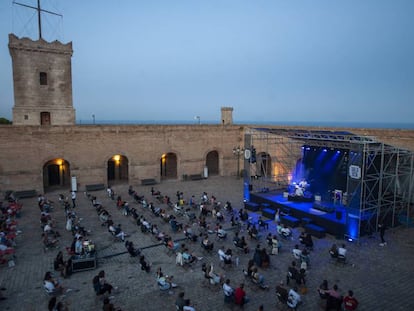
[382, 228]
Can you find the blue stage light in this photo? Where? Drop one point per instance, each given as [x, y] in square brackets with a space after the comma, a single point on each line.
[325, 150]
[338, 151]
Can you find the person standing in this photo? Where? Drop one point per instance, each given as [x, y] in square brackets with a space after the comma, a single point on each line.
[73, 195]
[240, 297]
[382, 228]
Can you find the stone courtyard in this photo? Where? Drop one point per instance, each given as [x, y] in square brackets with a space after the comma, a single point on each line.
[381, 277]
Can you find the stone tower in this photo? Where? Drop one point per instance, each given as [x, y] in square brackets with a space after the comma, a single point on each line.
[226, 115]
[42, 79]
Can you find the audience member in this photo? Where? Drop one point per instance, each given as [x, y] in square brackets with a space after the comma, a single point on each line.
[350, 302]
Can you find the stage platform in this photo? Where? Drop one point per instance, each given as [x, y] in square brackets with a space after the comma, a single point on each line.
[327, 215]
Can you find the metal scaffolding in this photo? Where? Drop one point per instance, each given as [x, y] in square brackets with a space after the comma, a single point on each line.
[380, 181]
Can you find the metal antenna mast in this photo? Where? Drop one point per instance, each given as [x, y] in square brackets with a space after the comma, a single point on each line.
[39, 15]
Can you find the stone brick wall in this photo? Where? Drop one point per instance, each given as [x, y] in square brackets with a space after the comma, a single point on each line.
[29, 59]
[87, 148]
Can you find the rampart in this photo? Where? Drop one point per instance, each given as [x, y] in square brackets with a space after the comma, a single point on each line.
[87, 148]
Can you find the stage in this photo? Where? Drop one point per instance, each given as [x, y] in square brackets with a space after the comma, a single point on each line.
[330, 216]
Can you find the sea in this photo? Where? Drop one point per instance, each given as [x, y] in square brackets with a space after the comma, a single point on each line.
[373, 125]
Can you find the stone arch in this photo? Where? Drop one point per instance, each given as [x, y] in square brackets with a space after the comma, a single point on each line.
[117, 169]
[212, 162]
[56, 174]
[168, 166]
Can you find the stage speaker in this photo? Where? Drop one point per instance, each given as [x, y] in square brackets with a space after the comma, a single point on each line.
[250, 187]
[338, 215]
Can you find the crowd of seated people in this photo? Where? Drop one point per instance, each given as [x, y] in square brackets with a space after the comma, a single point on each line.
[49, 233]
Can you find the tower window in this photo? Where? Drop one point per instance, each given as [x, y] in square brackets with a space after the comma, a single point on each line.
[43, 78]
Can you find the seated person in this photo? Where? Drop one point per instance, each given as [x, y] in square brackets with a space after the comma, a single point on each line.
[210, 274]
[60, 265]
[285, 231]
[228, 292]
[175, 225]
[279, 228]
[242, 244]
[207, 244]
[250, 266]
[188, 232]
[293, 298]
[100, 285]
[282, 292]
[188, 306]
[228, 207]
[296, 252]
[293, 273]
[258, 278]
[51, 285]
[302, 237]
[342, 251]
[131, 249]
[322, 290]
[221, 233]
[253, 233]
[334, 251]
[262, 223]
[225, 257]
[244, 216]
[334, 299]
[172, 245]
[308, 241]
[164, 281]
[48, 241]
[117, 231]
[188, 257]
[350, 302]
[276, 245]
[145, 266]
[304, 257]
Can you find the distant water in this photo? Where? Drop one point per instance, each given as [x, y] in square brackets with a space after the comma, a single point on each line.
[378, 125]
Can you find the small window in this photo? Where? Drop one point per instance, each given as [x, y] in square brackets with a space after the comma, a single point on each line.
[43, 78]
[26, 117]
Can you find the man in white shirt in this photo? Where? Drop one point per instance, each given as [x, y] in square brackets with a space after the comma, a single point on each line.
[297, 253]
[293, 298]
[342, 251]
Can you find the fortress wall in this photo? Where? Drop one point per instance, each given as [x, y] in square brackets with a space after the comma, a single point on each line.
[87, 148]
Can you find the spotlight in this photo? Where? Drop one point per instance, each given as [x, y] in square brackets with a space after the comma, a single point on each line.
[324, 150]
[350, 240]
[338, 151]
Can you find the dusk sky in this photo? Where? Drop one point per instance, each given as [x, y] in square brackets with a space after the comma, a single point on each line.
[271, 60]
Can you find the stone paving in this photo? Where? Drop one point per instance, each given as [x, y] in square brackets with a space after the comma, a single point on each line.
[381, 277]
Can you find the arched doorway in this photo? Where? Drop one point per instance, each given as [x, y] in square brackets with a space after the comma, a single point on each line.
[56, 174]
[168, 166]
[264, 163]
[117, 171]
[212, 162]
